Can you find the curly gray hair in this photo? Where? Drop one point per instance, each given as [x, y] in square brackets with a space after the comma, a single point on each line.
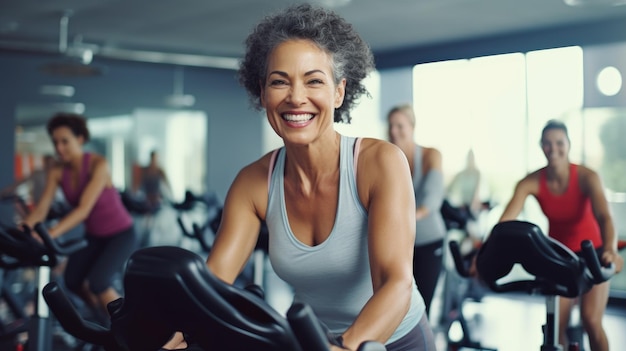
[351, 57]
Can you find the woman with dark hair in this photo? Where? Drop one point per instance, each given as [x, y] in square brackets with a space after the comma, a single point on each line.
[572, 198]
[86, 183]
[339, 210]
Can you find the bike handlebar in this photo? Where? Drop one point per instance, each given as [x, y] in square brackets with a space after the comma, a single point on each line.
[308, 331]
[18, 248]
[71, 321]
[57, 247]
[596, 272]
[302, 320]
[197, 233]
[599, 273]
[461, 267]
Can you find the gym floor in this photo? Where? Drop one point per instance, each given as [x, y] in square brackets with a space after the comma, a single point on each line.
[513, 322]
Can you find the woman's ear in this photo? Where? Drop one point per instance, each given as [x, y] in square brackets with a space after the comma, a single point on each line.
[340, 93]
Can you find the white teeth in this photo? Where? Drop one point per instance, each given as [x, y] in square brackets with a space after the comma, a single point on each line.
[297, 118]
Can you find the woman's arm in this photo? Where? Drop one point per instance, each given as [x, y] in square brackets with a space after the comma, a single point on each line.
[43, 206]
[434, 190]
[98, 180]
[523, 188]
[239, 229]
[592, 186]
[385, 188]
[241, 221]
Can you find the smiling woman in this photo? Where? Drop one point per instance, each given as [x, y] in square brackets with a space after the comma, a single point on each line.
[339, 210]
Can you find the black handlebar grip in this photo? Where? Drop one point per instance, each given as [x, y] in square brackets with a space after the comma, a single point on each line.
[307, 328]
[458, 259]
[598, 272]
[20, 249]
[69, 318]
[183, 228]
[67, 248]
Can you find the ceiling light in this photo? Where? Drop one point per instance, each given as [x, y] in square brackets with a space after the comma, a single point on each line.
[609, 81]
[178, 99]
[595, 2]
[333, 3]
[57, 90]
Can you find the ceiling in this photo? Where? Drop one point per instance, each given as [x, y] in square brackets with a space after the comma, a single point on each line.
[211, 33]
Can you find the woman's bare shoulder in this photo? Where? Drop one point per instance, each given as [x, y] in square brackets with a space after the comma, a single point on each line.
[431, 152]
[259, 167]
[377, 150]
[530, 182]
[251, 185]
[98, 162]
[586, 172]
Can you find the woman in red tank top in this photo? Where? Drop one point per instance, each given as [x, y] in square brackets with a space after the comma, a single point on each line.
[572, 198]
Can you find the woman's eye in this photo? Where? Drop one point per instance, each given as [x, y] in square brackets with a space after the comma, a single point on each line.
[316, 81]
[278, 82]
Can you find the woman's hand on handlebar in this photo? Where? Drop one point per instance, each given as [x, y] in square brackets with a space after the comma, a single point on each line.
[176, 342]
[28, 230]
[611, 256]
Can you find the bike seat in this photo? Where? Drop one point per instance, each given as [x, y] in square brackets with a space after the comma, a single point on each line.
[185, 295]
[557, 270]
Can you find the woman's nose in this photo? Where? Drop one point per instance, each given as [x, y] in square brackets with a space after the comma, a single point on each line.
[297, 94]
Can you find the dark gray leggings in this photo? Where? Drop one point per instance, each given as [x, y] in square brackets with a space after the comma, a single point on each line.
[427, 265]
[99, 261]
[419, 338]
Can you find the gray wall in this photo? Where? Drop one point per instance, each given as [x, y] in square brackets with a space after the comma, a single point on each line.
[7, 130]
[396, 87]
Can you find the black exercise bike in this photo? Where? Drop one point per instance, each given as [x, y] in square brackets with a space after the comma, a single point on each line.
[557, 271]
[19, 249]
[169, 289]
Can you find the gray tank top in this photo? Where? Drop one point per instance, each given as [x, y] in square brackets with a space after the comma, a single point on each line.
[334, 276]
[432, 227]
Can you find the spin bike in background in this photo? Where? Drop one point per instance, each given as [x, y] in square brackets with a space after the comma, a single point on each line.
[457, 289]
[557, 271]
[204, 233]
[18, 249]
[206, 209]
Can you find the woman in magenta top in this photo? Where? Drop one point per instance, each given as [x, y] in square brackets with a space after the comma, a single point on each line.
[572, 198]
[86, 183]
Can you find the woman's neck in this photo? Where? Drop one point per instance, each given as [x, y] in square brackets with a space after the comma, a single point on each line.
[76, 163]
[308, 164]
[558, 171]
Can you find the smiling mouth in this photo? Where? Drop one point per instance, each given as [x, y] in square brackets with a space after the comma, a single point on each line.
[297, 118]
